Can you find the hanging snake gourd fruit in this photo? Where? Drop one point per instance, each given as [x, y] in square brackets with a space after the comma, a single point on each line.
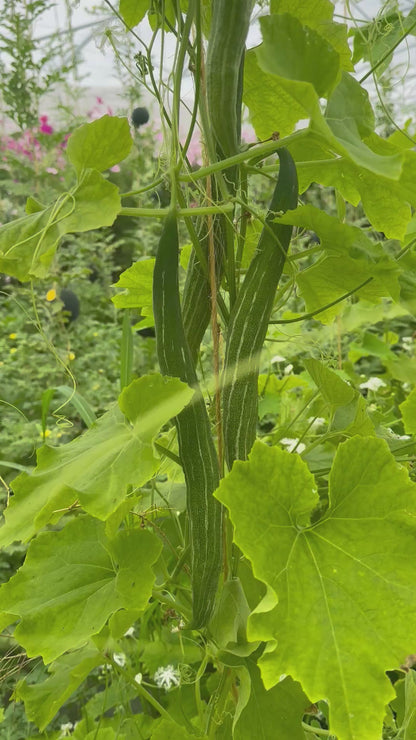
[250, 316]
[196, 446]
[224, 82]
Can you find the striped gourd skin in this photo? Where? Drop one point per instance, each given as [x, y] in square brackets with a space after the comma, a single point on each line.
[249, 320]
[196, 300]
[200, 466]
[229, 28]
[196, 446]
[172, 350]
[224, 82]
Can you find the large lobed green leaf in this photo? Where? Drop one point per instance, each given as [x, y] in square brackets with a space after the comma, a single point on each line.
[43, 700]
[96, 468]
[277, 712]
[349, 258]
[28, 244]
[100, 144]
[292, 77]
[318, 64]
[318, 15]
[137, 281]
[408, 410]
[282, 86]
[341, 602]
[133, 11]
[386, 201]
[73, 580]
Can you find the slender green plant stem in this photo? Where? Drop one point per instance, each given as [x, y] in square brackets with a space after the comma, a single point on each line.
[324, 308]
[317, 731]
[387, 53]
[198, 699]
[178, 75]
[221, 208]
[258, 151]
[243, 219]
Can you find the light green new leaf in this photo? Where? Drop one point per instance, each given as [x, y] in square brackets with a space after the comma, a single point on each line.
[334, 390]
[97, 467]
[100, 144]
[28, 245]
[43, 700]
[333, 628]
[351, 119]
[404, 706]
[282, 103]
[169, 729]
[276, 713]
[73, 580]
[353, 418]
[316, 164]
[373, 40]
[137, 281]
[349, 259]
[408, 412]
[351, 115]
[297, 52]
[409, 722]
[317, 14]
[133, 11]
[291, 88]
[100, 732]
[228, 625]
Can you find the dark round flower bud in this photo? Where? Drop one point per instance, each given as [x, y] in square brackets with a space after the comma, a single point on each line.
[70, 303]
[139, 117]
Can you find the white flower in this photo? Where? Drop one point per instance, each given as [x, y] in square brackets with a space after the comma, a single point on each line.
[290, 444]
[66, 729]
[138, 678]
[166, 677]
[130, 632]
[373, 384]
[288, 369]
[120, 659]
[398, 436]
[317, 422]
[278, 358]
[178, 627]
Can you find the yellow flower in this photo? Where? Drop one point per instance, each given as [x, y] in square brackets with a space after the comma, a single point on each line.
[13, 350]
[47, 433]
[51, 294]
[12, 336]
[71, 356]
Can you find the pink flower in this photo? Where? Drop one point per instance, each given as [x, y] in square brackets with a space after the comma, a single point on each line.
[115, 168]
[44, 127]
[194, 151]
[65, 141]
[100, 101]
